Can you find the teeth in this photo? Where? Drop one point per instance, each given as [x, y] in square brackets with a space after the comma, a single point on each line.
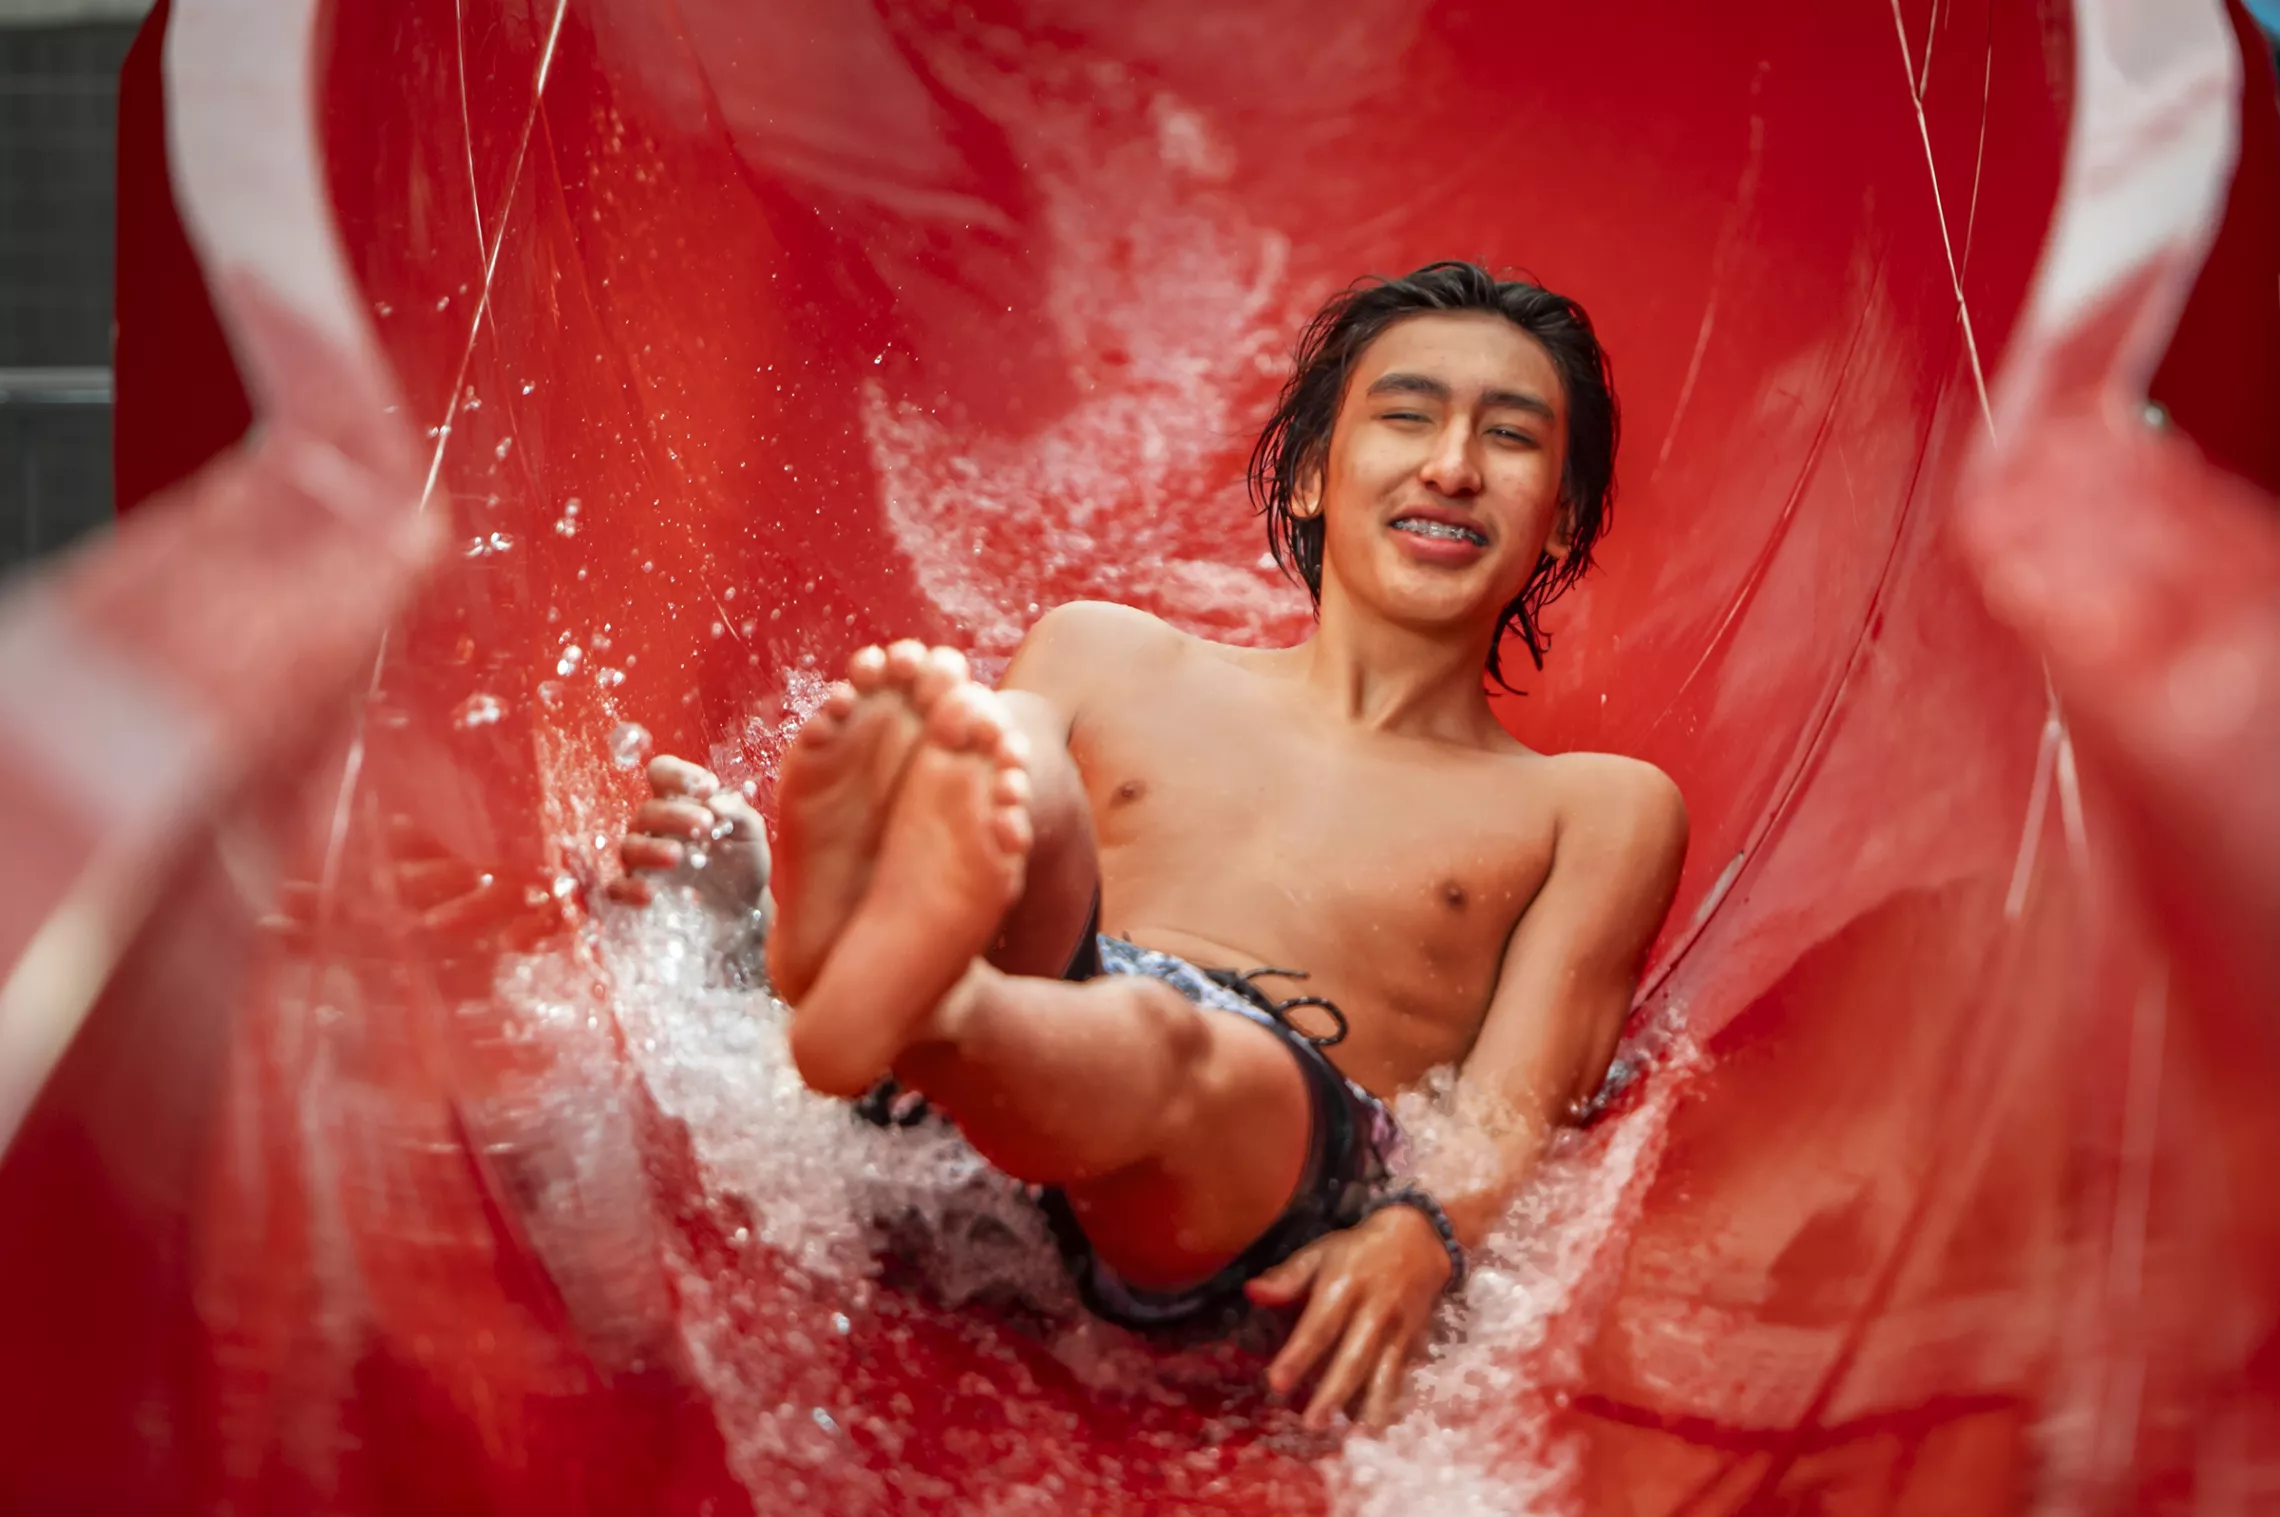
[1441, 529]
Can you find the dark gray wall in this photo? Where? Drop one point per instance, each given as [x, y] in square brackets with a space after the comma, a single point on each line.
[58, 127]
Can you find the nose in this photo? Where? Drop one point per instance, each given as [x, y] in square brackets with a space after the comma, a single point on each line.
[1449, 469]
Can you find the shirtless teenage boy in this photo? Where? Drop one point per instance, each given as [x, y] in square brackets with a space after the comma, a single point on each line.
[1033, 905]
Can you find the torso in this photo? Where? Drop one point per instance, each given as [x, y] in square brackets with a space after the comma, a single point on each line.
[1239, 829]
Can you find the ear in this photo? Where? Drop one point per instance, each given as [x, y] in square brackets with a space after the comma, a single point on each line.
[1562, 539]
[1306, 500]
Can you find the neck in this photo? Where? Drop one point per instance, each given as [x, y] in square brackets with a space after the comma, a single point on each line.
[1420, 682]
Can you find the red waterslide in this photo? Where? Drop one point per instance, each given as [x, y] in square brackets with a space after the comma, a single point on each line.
[619, 366]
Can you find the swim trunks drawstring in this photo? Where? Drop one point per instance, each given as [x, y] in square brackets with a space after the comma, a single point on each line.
[1240, 981]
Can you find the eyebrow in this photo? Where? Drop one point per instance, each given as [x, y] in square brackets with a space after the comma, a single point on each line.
[1424, 384]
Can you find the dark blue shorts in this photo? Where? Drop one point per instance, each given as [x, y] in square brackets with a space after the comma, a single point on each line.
[1354, 1147]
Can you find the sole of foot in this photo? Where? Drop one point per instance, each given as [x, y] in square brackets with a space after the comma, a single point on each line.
[950, 863]
[839, 780]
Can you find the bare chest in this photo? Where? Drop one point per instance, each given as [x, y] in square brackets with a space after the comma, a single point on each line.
[1393, 870]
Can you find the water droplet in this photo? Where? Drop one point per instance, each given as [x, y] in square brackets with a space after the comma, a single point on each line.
[698, 858]
[823, 1420]
[741, 1236]
[479, 710]
[609, 679]
[384, 308]
[629, 744]
[572, 657]
[501, 450]
[502, 541]
[840, 1324]
[567, 526]
[647, 565]
[443, 302]
[718, 628]
[549, 693]
[528, 387]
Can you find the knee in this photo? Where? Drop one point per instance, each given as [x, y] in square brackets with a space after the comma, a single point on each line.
[1181, 1036]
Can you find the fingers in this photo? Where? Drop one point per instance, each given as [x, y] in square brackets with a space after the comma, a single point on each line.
[422, 883]
[1358, 1354]
[1320, 1326]
[743, 823]
[630, 890]
[692, 821]
[640, 852]
[670, 776]
[1385, 1382]
[1287, 1281]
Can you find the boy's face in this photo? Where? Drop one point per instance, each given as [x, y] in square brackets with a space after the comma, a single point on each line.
[1442, 484]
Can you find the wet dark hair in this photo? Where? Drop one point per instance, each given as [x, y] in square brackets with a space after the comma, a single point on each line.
[1296, 442]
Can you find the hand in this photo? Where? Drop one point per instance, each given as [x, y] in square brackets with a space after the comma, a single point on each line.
[460, 916]
[1369, 1292]
[692, 820]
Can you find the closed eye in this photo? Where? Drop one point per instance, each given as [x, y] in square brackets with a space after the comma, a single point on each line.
[1510, 434]
[1402, 416]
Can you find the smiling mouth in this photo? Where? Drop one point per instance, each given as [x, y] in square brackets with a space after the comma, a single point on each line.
[1444, 531]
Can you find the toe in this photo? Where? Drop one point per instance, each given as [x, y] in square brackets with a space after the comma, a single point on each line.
[1012, 750]
[904, 660]
[828, 721]
[943, 670]
[1009, 828]
[960, 721]
[838, 700]
[867, 669]
[1010, 787]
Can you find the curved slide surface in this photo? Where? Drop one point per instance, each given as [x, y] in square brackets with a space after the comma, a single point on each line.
[619, 367]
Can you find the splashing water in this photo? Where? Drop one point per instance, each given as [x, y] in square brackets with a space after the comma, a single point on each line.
[779, 1311]
[1129, 495]
[822, 1226]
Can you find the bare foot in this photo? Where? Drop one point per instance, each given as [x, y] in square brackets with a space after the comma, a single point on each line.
[838, 780]
[949, 866]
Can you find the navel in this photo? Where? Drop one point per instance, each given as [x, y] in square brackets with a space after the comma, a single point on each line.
[1453, 895]
[1128, 792]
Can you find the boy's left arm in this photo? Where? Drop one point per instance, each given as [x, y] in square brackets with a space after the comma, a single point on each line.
[1568, 977]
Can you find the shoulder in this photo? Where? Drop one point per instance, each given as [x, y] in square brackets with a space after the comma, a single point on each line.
[1098, 625]
[1623, 811]
[1078, 644]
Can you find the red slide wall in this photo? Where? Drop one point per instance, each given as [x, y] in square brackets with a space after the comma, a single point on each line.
[621, 365]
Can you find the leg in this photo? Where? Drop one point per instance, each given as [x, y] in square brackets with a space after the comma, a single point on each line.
[1062, 883]
[1178, 1133]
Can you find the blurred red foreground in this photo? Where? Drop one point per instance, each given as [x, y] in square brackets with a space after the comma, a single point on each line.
[625, 363]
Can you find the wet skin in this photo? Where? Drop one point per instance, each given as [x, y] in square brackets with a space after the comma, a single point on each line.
[1348, 806]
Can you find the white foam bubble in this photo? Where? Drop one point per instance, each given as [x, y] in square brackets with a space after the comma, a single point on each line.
[798, 1182]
